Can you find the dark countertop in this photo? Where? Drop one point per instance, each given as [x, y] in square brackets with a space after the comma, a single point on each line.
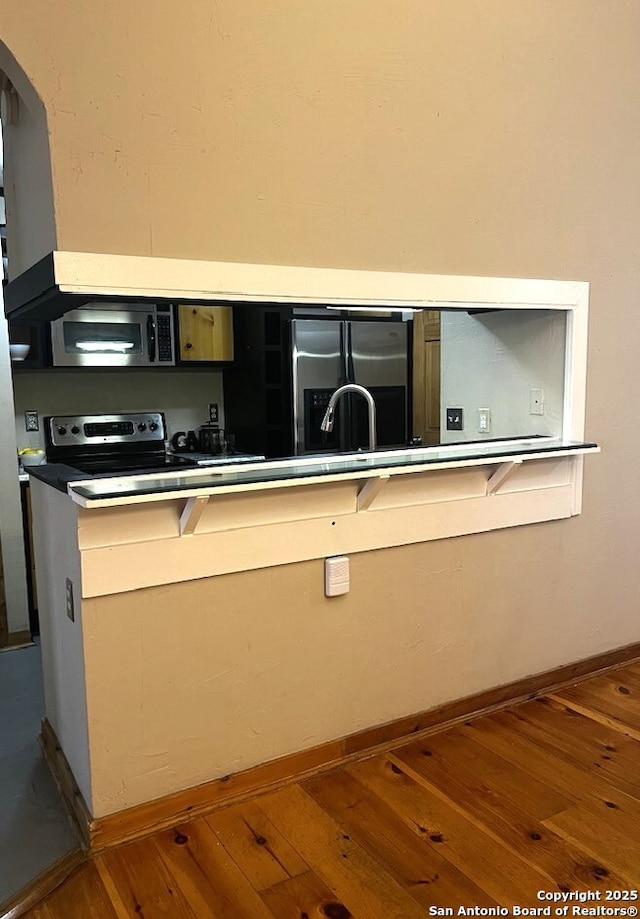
[56, 474]
[59, 475]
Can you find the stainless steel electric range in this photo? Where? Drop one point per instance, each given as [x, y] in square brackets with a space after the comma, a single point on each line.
[118, 443]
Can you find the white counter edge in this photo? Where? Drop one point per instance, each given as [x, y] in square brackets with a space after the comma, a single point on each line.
[370, 472]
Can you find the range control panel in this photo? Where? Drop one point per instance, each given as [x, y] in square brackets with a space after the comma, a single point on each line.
[86, 431]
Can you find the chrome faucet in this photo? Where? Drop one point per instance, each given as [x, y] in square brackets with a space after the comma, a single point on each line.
[329, 416]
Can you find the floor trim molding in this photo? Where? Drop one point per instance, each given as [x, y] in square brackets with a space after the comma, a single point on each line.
[182, 806]
[13, 641]
[65, 782]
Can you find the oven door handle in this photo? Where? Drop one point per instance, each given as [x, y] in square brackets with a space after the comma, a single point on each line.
[151, 338]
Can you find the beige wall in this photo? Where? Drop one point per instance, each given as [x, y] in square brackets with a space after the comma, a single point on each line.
[485, 137]
[271, 665]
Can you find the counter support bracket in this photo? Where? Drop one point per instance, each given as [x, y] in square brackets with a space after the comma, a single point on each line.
[192, 513]
[500, 476]
[370, 491]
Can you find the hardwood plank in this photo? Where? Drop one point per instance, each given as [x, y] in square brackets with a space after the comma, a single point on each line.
[121, 909]
[589, 712]
[597, 779]
[577, 738]
[485, 805]
[143, 882]
[599, 834]
[41, 911]
[254, 843]
[489, 863]
[82, 896]
[526, 747]
[566, 727]
[533, 797]
[209, 879]
[373, 824]
[360, 882]
[628, 675]
[619, 687]
[305, 895]
[622, 714]
[612, 694]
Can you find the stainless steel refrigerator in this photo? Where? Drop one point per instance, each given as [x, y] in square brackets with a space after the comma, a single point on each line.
[328, 353]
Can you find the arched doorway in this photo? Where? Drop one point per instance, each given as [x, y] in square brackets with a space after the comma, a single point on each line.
[34, 831]
[27, 190]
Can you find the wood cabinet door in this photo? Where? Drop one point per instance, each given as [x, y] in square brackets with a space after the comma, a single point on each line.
[205, 333]
[426, 376]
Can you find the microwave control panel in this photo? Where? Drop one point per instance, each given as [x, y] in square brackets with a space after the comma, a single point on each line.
[165, 337]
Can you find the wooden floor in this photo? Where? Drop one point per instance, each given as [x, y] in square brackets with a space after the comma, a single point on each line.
[541, 797]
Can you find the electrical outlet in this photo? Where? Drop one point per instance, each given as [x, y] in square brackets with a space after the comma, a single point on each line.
[70, 610]
[536, 402]
[213, 412]
[454, 419]
[31, 422]
[484, 421]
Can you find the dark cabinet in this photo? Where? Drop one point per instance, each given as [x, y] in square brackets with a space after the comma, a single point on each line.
[257, 389]
[32, 592]
[38, 336]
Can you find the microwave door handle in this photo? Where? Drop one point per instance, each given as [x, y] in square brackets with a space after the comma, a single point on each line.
[151, 338]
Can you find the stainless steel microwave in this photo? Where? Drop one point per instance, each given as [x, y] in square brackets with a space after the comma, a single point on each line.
[114, 335]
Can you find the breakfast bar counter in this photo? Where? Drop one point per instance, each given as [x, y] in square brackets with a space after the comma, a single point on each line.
[179, 625]
[187, 634]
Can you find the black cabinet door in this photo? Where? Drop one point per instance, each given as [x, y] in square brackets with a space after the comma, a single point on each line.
[38, 336]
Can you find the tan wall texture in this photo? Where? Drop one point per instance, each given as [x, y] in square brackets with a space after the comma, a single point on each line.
[488, 137]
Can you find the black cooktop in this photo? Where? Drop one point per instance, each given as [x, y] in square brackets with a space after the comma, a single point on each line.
[113, 444]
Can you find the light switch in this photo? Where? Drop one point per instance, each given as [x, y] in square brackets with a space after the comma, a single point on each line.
[454, 419]
[484, 420]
